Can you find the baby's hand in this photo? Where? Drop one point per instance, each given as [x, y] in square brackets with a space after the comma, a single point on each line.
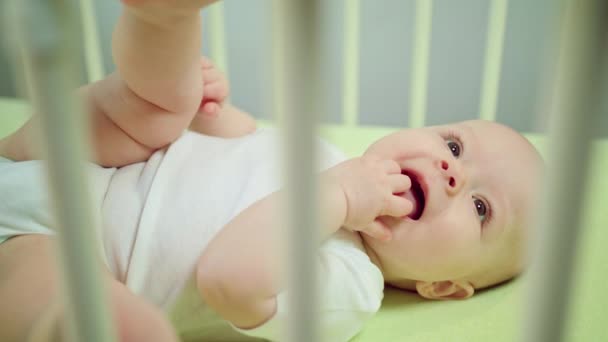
[369, 185]
[215, 89]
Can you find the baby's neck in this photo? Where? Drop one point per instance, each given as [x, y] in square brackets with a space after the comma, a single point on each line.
[405, 284]
[372, 254]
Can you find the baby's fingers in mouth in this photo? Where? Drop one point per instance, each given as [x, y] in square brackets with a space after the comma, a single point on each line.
[398, 206]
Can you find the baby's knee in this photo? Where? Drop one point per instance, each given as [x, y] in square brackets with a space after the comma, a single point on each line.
[137, 320]
[133, 318]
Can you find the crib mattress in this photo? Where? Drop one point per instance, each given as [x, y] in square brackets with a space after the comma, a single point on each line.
[491, 315]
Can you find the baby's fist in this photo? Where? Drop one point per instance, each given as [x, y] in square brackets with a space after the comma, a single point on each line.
[369, 185]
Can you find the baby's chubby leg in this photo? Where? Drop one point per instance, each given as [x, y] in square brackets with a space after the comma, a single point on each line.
[230, 123]
[154, 95]
[156, 91]
[31, 310]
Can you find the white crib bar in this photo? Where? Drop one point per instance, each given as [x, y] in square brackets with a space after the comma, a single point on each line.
[51, 35]
[493, 59]
[217, 37]
[92, 47]
[575, 109]
[296, 94]
[350, 101]
[423, 16]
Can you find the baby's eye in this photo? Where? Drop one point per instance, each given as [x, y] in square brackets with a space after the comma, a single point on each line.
[454, 142]
[454, 147]
[481, 208]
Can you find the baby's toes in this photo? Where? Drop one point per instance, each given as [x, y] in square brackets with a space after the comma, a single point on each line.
[206, 63]
[215, 91]
[212, 75]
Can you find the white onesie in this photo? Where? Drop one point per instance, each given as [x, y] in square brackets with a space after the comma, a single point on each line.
[159, 216]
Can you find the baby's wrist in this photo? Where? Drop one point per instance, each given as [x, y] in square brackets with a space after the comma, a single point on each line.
[334, 204]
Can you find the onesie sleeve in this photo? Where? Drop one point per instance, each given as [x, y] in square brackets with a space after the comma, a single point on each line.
[351, 291]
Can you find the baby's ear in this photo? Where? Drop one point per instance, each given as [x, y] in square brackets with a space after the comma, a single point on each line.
[447, 289]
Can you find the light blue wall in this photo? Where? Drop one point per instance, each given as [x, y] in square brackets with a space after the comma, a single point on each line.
[456, 60]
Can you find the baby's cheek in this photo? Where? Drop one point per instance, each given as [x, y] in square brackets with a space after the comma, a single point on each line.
[454, 239]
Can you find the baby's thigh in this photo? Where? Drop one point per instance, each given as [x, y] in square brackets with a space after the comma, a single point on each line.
[29, 299]
[28, 286]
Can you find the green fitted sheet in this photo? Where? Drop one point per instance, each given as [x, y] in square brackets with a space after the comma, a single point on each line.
[491, 315]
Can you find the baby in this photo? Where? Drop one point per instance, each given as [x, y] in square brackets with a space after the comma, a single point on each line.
[191, 223]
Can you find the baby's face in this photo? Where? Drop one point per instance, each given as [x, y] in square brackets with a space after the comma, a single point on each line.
[473, 188]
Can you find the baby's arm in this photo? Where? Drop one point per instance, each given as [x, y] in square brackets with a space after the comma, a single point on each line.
[242, 287]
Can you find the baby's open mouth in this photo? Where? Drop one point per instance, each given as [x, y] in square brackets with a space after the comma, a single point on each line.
[415, 195]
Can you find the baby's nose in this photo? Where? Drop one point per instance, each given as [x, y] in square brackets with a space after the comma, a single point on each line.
[453, 175]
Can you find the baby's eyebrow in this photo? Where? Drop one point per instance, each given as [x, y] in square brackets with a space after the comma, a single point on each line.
[469, 132]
